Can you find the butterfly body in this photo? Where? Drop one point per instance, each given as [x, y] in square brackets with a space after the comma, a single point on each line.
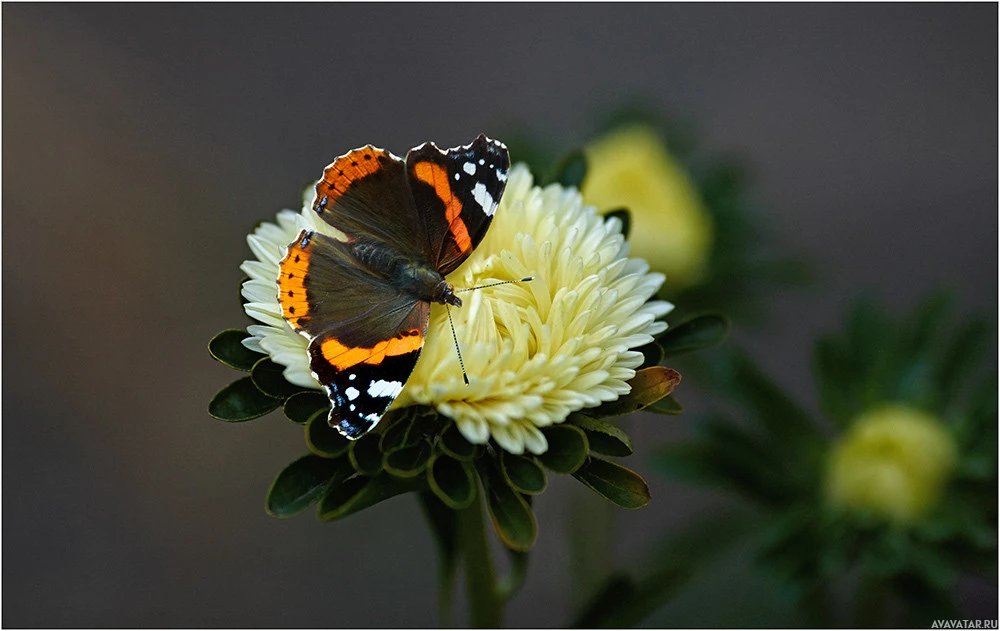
[364, 302]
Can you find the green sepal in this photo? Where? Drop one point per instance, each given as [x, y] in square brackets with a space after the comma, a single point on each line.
[512, 517]
[299, 408]
[399, 434]
[648, 386]
[227, 347]
[619, 485]
[360, 492]
[571, 170]
[269, 379]
[241, 401]
[694, 334]
[624, 216]
[666, 405]
[604, 438]
[303, 482]
[455, 445]
[365, 454]
[522, 473]
[408, 461]
[652, 354]
[452, 481]
[567, 450]
[323, 440]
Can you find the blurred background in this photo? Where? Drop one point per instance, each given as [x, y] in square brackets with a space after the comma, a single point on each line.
[142, 143]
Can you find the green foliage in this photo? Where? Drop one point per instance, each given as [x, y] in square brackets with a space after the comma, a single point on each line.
[774, 454]
[227, 347]
[614, 482]
[241, 401]
[700, 332]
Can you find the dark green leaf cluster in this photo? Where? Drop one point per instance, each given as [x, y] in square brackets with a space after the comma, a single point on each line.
[775, 457]
[417, 449]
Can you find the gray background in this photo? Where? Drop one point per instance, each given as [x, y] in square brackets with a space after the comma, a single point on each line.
[141, 143]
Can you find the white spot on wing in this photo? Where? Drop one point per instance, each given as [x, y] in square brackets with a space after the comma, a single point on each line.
[382, 388]
[469, 168]
[501, 175]
[482, 160]
[482, 196]
[352, 377]
[352, 393]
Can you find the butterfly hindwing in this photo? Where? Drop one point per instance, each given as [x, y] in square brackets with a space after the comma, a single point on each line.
[363, 366]
[365, 335]
[457, 193]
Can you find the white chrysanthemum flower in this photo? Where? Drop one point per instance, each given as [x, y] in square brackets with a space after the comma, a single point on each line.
[534, 351]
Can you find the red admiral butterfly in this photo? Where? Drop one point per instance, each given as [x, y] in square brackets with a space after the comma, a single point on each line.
[364, 303]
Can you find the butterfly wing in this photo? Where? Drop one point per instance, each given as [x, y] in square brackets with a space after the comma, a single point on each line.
[365, 335]
[457, 192]
[365, 193]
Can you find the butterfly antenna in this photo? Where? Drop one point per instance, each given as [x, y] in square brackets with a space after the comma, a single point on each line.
[503, 282]
[458, 350]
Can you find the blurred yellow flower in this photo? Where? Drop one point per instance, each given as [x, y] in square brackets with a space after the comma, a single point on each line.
[893, 462]
[630, 168]
[534, 351]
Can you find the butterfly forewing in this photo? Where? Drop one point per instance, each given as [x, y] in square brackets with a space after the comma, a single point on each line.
[457, 192]
[365, 193]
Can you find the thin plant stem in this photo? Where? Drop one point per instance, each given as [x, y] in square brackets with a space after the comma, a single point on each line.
[485, 604]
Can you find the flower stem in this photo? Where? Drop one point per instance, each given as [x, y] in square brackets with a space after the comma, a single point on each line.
[485, 605]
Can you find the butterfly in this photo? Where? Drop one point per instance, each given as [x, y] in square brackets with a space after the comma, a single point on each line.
[364, 302]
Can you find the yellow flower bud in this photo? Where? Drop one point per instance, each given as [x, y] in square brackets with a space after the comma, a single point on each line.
[893, 462]
[630, 168]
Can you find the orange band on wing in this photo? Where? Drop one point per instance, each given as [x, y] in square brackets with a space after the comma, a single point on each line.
[346, 170]
[291, 281]
[435, 175]
[343, 357]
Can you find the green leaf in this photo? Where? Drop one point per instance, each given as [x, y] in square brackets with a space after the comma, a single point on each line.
[227, 348]
[604, 438]
[241, 401]
[624, 216]
[360, 492]
[452, 481]
[270, 379]
[323, 440]
[614, 482]
[299, 408]
[512, 517]
[652, 354]
[567, 450]
[571, 170]
[444, 526]
[408, 461]
[454, 444]
[666, 405]
[648, 386]
[522, 473]
[302, 482]
[697, 333]
[365, 454]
